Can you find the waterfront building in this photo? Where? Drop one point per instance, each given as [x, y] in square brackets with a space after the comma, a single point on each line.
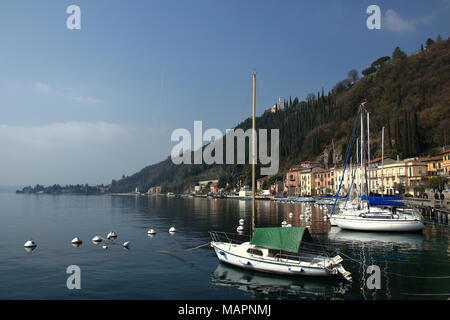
[408, 173]
[446, 162]
[293, 182]
[434, 164]
[153, 190]
[324, 181]
[307, 180]
[300, 179]
[261, 182]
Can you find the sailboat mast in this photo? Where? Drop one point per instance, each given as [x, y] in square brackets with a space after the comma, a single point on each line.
[354, 175]
[382, 161]
[253, 152]
[361, 154]
[368, 155]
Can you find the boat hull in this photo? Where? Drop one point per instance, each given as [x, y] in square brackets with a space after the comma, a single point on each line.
[380, 225]
[228, 257]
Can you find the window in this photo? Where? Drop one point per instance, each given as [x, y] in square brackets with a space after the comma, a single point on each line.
[255, 252]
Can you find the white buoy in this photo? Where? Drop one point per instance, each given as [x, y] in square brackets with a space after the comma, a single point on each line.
[151, 231]
[96, 239]
[77, 241]
[240, 228]
[289, 225]
[30, 244]
[111, 235]
[105, 246]
[172, 229]
[283, 224]
[241, 222]
[126, 244]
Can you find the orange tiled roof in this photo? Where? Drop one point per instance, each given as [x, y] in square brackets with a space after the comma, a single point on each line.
[430, 158]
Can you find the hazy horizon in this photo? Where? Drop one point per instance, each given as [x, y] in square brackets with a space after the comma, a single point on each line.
[89, 105]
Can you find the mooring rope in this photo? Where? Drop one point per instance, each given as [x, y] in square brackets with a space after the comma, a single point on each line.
[398, 274]
[183, 250]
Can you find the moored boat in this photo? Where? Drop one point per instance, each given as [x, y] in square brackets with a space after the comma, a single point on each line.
[385, 223]
[278, 251]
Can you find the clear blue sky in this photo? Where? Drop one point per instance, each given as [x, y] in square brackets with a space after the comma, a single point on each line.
[86, 106]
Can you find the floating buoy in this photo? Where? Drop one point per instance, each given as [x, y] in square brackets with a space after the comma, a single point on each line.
[241, 222]
[289, 225]
[126, 244]
[172, 229]
[105, 246]
[96, 239]
[77, 241]
[151, 231]
[111, 235]
[284, 223]
[30, 244]
[240, 228]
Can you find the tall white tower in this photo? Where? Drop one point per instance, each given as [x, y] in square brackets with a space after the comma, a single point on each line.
[280, 103]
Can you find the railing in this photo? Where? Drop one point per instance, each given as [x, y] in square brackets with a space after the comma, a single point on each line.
[233, 238]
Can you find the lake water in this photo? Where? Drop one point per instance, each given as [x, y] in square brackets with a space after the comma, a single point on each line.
[144, 273]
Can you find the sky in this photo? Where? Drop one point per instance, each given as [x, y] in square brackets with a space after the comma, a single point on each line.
[89, 105]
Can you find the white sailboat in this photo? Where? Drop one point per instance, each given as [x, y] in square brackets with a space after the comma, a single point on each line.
[363, 217]
[275, 250]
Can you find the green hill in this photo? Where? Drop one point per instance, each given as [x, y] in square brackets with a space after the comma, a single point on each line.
[408, 95]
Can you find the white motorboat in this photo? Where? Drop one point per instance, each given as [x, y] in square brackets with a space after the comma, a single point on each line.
[278, 251]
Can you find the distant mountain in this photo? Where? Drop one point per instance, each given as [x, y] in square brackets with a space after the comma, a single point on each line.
[408, 95]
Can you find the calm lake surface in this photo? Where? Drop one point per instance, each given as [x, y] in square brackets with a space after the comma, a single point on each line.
[143, 273]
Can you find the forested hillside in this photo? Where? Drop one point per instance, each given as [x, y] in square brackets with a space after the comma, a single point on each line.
[408, 95]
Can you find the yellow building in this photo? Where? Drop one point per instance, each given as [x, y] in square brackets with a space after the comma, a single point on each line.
[446, 162]
[410, 173]
[351, 180]
[307, 181]
[434, 165]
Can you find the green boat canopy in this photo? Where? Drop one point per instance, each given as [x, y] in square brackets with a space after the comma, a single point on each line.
[286, 239]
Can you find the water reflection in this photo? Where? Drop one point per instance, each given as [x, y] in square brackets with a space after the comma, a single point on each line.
[29, 249]
[264, 286]
[399, 256]
[409, 241]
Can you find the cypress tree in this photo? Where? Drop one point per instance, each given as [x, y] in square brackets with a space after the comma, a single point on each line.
[389, 131]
